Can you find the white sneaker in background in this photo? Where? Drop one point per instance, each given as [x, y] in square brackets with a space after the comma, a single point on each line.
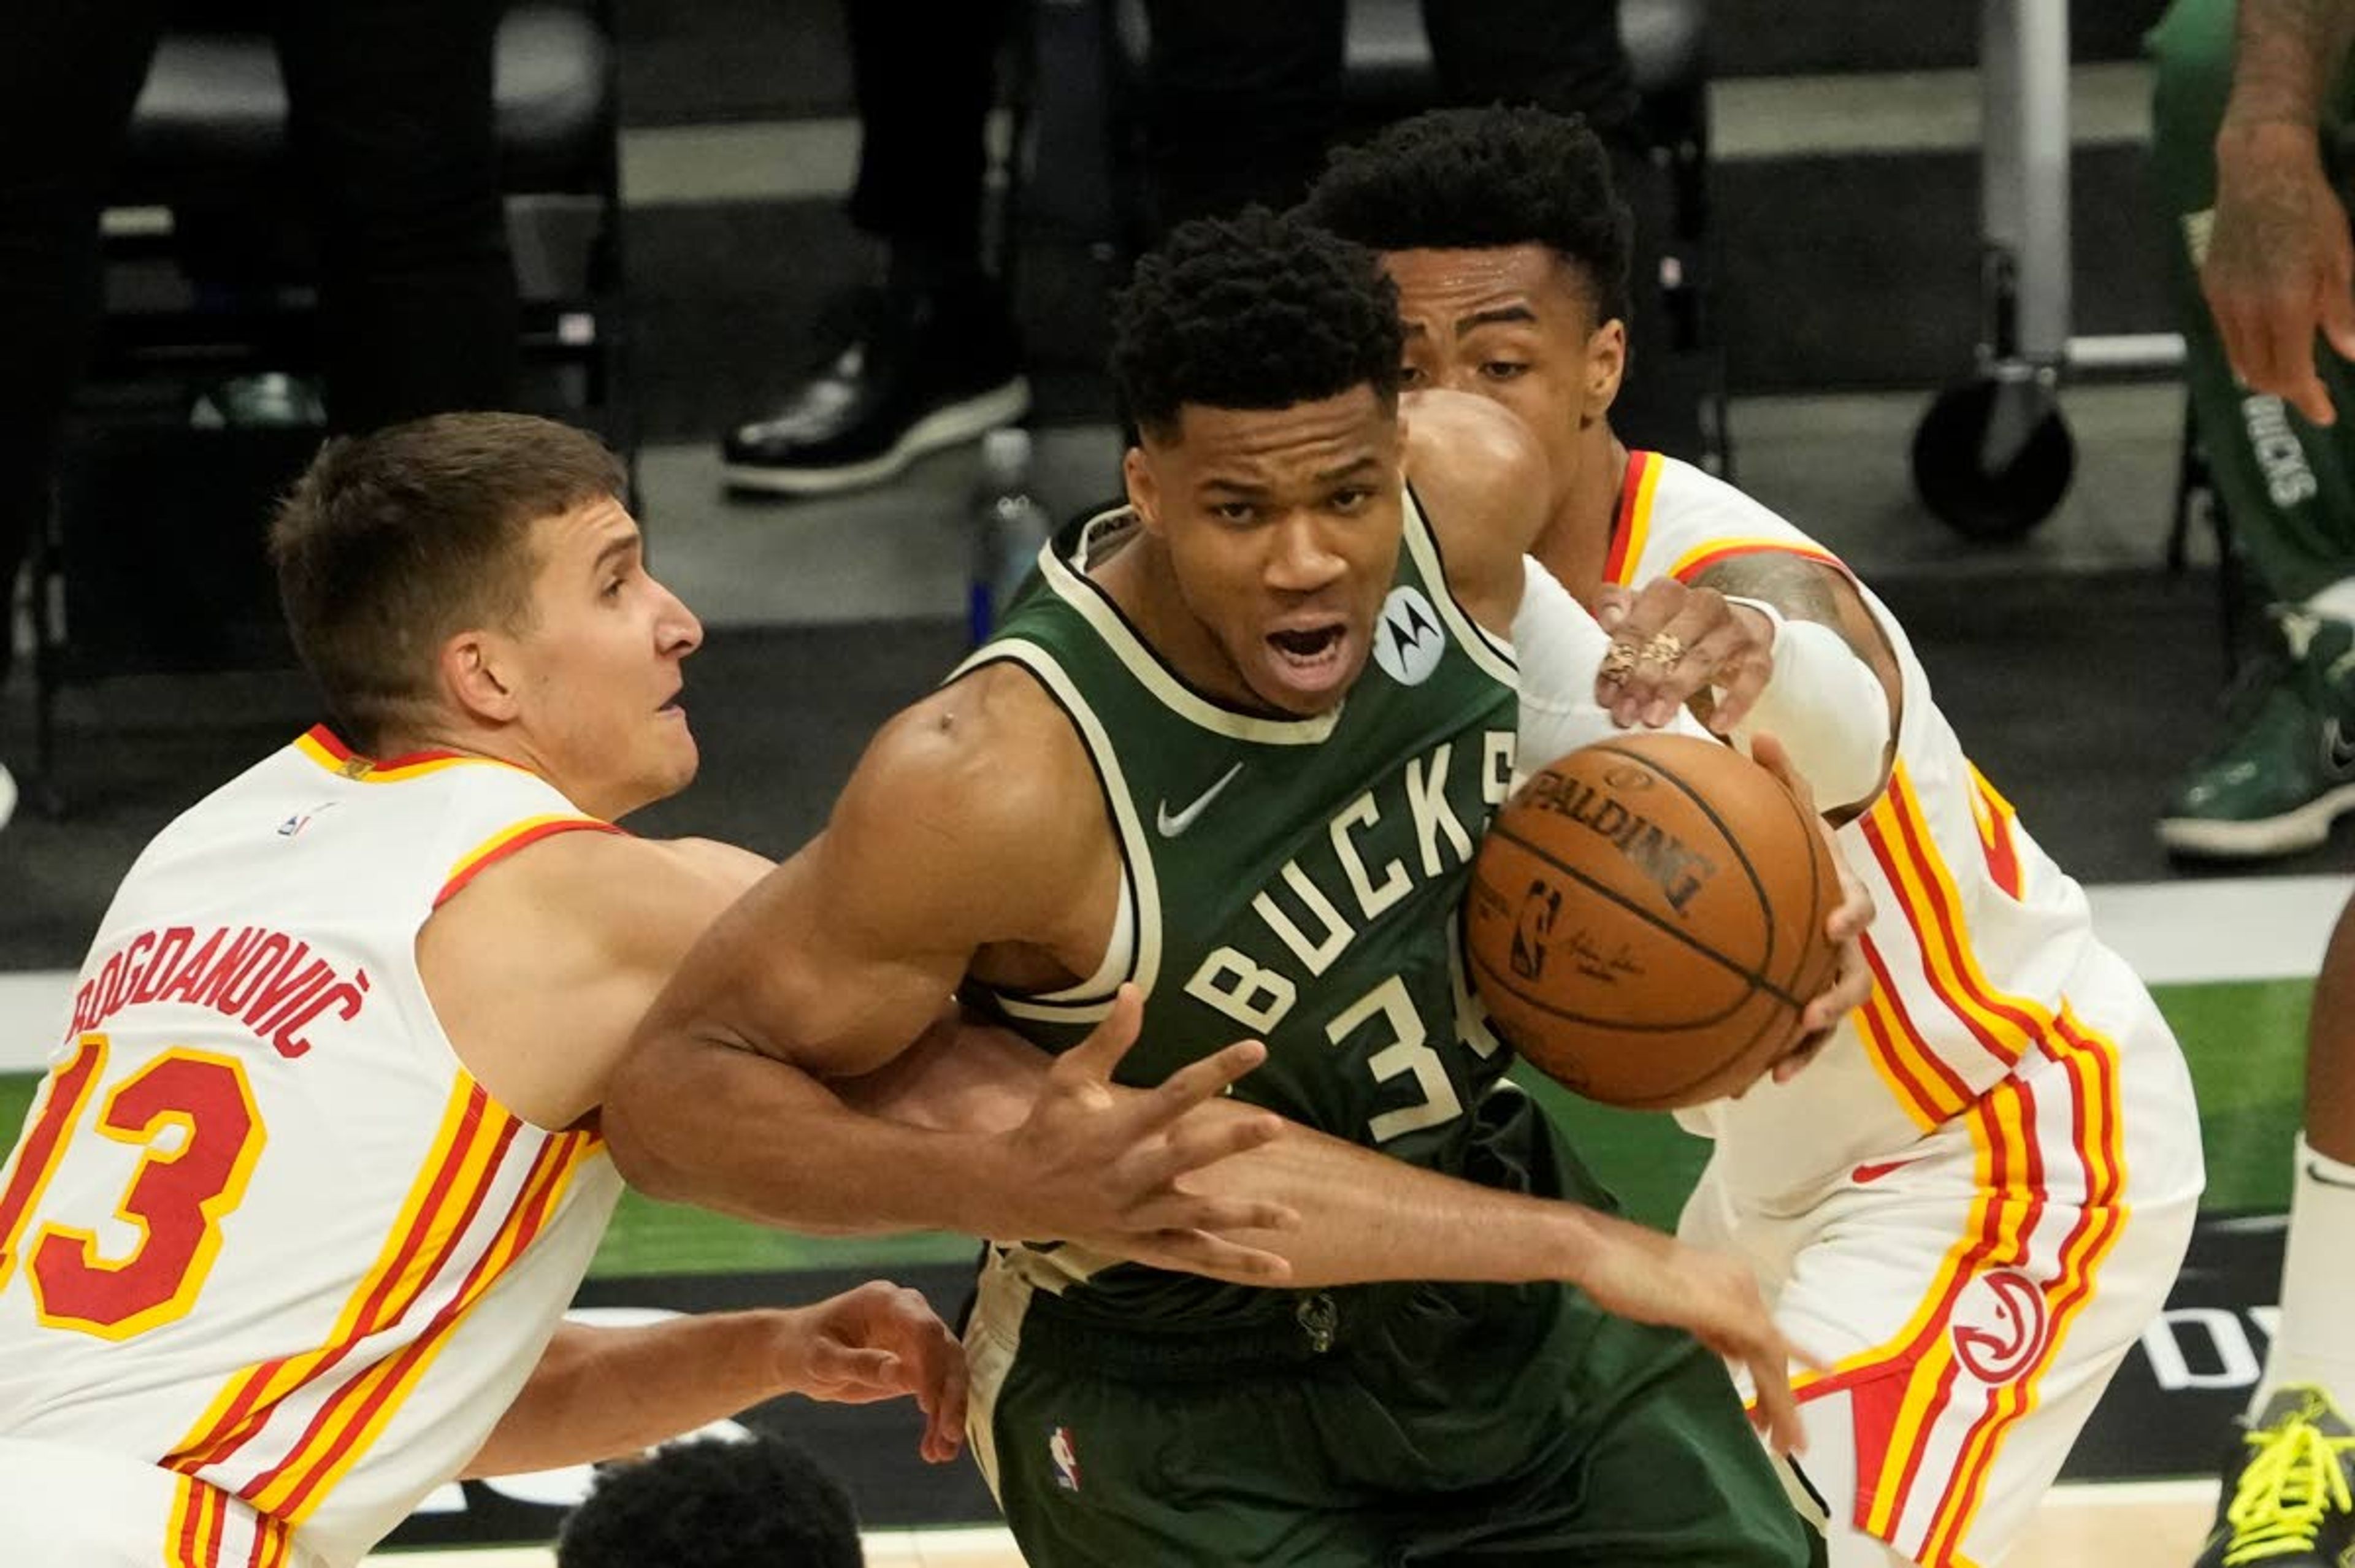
[8, 797]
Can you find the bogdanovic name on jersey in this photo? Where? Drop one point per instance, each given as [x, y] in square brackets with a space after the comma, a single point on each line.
[1257, 992]
[277, 984]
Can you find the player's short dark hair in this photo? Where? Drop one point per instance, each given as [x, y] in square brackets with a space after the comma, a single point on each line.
[1257, 310]
[714, 1502]
[393, 543]
[1479, 179]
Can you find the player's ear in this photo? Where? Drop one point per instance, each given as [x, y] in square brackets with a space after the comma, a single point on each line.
[476, 676]
[1607, 365]
[1143, 487]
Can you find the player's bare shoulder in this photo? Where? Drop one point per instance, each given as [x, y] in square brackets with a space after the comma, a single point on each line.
[984, 775]
[568, 939]
[1482, 481]
[592, 900]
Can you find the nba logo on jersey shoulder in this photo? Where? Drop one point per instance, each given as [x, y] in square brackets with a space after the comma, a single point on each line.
[1408, 641]
[1067, 1458]
[302, 819]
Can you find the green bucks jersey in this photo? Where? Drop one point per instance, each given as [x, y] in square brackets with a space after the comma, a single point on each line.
[1292, 879]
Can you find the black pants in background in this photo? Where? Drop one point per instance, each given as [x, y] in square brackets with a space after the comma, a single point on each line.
[391, 126]
[1245, 97]
[1246, 94]
[925, 74]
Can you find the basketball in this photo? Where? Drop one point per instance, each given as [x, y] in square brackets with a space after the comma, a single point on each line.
[1645, 923]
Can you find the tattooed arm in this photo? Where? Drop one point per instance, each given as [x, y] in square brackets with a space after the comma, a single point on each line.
[2279, 266]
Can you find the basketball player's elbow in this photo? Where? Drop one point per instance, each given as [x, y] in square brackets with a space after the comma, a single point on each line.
[652, 1120]
[642, 1145]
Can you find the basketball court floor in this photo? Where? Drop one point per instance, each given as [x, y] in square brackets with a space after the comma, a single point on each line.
[2080, 1527]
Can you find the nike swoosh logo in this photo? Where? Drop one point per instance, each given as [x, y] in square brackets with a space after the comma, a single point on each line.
[1864, 1173]
[2315, 1171]
[1174, 823]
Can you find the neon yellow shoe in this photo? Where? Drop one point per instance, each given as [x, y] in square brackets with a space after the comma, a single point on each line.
[2292, 1502]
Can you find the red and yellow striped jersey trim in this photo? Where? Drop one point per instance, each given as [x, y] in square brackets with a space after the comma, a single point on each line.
[195, 1536]
[1993, 815]
[322, 746]
[352, 1421]
[452, 1183]
[2091, 1062]
[1930, 904]
[508, 840]
[1920, 1081]
[1633, 522]
[1910, 1381]
[68, 1090]
[1701, 558]
[192, 1535]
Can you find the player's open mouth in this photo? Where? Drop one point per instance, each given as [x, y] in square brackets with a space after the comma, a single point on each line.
[1310, 658]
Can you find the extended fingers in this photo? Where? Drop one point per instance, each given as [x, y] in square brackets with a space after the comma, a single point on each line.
[1202, 1253]
[1196, 1084]
[1178, 1210]
[1095, 1057]
[1206, 1140]
[1776, 1414]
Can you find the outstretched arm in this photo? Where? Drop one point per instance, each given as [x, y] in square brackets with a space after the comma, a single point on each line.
[962, 828]
[600, 1392]
[1364, 1216]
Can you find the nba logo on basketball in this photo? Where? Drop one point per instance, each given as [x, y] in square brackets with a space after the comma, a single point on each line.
[1066, 1457]
[1539, 908]
[1999, 1326]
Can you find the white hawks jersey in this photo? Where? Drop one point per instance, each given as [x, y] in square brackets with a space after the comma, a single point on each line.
[262, 1229]
[1979, 935]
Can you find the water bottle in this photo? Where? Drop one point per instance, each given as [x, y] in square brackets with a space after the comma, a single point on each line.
[1009, 527]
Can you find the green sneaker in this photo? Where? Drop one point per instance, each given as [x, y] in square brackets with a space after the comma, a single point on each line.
[2287, 770]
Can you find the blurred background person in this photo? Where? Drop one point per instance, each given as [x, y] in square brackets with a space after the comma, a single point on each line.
[758, 1501]
[391, 125]
[2246, 160]
[1241, 99]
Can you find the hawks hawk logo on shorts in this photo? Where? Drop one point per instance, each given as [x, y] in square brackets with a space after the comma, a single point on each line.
[1999, 1326]
[1066, 1457]
[1407, 638]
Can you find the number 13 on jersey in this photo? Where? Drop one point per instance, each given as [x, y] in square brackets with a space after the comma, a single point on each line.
[191, 1115]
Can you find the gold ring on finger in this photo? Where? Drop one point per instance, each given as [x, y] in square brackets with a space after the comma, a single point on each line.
[1664, 648]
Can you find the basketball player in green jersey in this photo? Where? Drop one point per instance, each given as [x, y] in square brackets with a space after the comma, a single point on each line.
[1232, 753]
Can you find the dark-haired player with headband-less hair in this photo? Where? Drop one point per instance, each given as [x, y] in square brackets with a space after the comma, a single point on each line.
[1232, 754]
[1977, 1197]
